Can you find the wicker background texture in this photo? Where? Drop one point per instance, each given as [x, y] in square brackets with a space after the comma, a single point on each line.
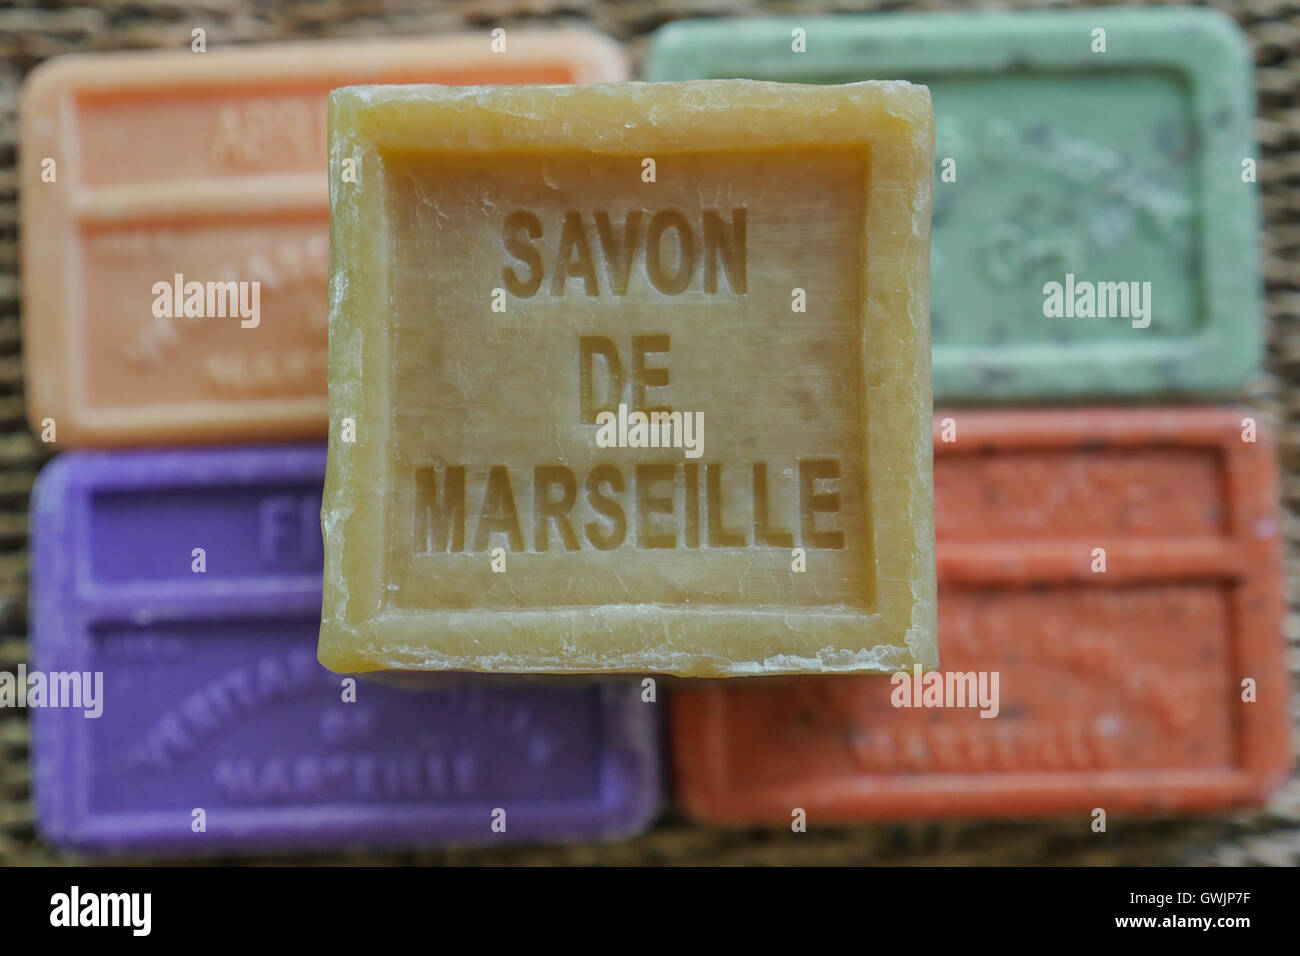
[31, 32]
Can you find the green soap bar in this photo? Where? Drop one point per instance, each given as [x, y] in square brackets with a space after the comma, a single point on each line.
[1130, 165]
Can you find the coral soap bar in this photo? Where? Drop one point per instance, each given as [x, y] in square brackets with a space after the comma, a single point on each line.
[1125, 688]
[630, 378]
[175, 232]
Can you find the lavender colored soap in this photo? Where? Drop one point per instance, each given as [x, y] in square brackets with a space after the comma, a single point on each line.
[213, 701]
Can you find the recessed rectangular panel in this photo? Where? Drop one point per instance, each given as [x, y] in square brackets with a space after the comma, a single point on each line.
[142, 361]
[217, 686]
[687, 530]
[245, 532]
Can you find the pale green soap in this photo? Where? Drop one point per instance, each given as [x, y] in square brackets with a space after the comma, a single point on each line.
[1125, 166]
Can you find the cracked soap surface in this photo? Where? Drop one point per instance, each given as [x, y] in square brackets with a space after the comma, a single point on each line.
[502, 273]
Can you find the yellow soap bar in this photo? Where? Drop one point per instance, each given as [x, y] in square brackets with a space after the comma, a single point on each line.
[630, 377]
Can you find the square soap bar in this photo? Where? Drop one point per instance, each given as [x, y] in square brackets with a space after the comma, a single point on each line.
[150, 177]
[1119, 688]
[629, 378]
[207, 694]
[1107, 151]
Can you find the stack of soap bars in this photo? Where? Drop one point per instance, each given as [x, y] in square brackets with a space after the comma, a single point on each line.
[1110, 580]
[628, 401]
[176, 267]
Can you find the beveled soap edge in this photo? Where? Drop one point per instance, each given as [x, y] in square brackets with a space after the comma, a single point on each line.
[349, 642]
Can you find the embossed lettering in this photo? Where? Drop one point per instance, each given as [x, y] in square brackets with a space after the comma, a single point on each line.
[670, 249]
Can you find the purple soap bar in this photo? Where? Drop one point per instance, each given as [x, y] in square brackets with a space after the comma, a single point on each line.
[218, 732]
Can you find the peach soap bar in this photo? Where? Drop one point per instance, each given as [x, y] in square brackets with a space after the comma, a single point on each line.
[149, 176]
[630, 377]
